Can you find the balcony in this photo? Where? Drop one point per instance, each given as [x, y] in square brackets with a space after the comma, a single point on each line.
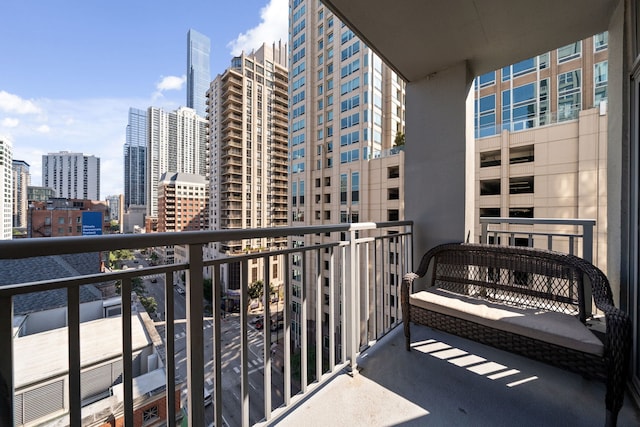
[268, 378]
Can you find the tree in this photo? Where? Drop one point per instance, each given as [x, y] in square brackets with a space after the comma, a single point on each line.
[149, 303]
[399, 141]
[256, 289]
[118, 255]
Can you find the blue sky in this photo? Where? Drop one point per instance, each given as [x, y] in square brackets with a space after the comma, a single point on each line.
[72, 68]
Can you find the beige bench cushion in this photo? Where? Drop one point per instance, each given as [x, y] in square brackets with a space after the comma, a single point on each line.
[556, 328]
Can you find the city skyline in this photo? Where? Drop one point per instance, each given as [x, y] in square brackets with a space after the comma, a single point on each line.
[55, 99]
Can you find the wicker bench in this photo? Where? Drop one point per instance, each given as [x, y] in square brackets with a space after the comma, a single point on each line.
[526, 301]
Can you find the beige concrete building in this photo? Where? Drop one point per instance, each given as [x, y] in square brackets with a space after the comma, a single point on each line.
[541, 129]
[247, 130]
[554, 171]
[346, 110]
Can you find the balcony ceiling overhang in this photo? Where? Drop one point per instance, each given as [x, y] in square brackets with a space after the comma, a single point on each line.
[418, 38]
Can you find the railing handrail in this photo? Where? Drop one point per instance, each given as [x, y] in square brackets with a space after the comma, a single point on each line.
[27, 248]
[351, 248]
[532, 221]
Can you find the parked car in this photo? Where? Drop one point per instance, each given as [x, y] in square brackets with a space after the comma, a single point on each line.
[154, 280]
[181, 291]
[259, 325]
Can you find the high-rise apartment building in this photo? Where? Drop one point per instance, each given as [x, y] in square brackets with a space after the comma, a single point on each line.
[6, 192]
[198, 71]
[182, 202]
[21, 180]
[346, 110]
[135, 158]
[541, 131]
[182, 206]
[177, 142]
[72, 175]
[247, 124]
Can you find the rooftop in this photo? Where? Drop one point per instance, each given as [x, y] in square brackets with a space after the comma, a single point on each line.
[44, 355]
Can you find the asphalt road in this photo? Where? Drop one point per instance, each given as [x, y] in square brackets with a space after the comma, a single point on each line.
[231, 362]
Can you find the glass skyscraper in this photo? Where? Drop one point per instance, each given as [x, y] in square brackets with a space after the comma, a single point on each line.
[135, 158]
[198, 73]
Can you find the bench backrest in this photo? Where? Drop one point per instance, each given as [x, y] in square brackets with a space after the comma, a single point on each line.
[524, 277]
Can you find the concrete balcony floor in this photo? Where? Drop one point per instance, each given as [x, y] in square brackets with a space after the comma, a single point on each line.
[448, 381]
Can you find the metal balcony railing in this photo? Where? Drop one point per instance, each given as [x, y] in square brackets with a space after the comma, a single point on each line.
[560, 234]
[568, 235]
[348, 288]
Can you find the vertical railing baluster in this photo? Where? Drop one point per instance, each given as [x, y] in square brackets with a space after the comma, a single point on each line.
[127, 351]
[303, 325]
[318, 314]
[244, 343]
[73, 336]
[352, 304]
[195, 341]
[7, 392]
[485, 235]
[376, 283]
[287, 332]
[396, 282]
[267, 338]
[366, 284]
[217, 346]
[343, 305]
[332, 312]
[170, 346]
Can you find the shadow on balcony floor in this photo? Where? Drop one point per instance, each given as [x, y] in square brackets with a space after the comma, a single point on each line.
[448, 381]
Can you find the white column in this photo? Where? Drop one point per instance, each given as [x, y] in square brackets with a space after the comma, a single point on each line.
[440, 158]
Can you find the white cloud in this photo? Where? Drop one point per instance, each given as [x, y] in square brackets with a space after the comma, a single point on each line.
[91, 126]
[9, 122]
[273, 27]
[171, 83]
[11, 103]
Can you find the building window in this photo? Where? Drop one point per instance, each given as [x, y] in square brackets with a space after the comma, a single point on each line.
[355, 187]
[343, 189]
[521, 185]
[489, 187]
[569, 52]
[393, 194]
[393, 215]
[600, 79]
[485, 112]
[490, 212]
[521, 212]
[521, 154]
[601, 41]
[393, 172]
[569, 95]
[520, 106]
[490, 158]
[488, 79]
[150, 414]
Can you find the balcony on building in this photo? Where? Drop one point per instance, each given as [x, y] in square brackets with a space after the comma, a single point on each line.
[365, 376]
